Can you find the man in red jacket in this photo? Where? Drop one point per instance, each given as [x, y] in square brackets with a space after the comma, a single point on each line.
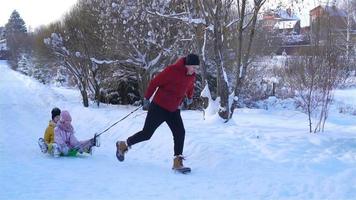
[175, 83]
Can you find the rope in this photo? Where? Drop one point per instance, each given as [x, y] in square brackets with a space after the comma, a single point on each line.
[118, 121]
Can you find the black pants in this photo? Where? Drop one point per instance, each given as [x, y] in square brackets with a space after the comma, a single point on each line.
[155, 117]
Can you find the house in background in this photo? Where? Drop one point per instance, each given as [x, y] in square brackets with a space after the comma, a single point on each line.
[286, 28]
[324, 19]
[326, 23]
[336, 17]
[281, 21]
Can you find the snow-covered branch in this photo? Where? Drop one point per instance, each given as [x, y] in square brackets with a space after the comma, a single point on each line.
[232, 22]
[186, 19]
[102, 61]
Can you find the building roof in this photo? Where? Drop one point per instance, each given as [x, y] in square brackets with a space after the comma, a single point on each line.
[289, 24]
[284, 14]
[280, 14]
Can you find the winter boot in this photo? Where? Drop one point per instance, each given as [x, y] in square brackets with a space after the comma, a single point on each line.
[90, 150]
[178, 165]
[178, 162]
[55, 150]
[43, 145]
[121, 149]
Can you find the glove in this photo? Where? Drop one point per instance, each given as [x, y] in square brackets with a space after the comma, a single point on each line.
[145, 104]
[188, 101]
[95, 141]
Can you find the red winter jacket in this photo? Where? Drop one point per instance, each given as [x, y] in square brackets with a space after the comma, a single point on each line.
[173, 85]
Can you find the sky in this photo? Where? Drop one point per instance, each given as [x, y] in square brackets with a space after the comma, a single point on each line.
[35, 12]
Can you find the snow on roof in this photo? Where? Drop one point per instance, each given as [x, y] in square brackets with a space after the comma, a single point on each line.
[285, 24]
[285, 15]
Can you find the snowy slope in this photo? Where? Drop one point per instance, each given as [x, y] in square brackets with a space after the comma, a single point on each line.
[259, 155]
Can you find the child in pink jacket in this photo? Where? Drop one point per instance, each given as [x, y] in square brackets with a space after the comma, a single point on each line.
[64, 138]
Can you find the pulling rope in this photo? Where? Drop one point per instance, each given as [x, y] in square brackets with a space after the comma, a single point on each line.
[98, 134]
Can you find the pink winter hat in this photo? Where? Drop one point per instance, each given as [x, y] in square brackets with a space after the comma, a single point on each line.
[65, 116]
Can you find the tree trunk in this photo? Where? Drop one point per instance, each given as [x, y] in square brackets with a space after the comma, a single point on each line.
[97, 95]
[243, 58]
[96, 87]
[143, 79]
[239, 76]
[85, 98]
[222, 87]
[82, 85]
[200, 42]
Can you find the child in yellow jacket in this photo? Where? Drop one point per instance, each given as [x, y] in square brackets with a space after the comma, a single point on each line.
[46, 143]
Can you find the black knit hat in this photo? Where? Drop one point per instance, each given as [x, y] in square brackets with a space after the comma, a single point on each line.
[192, 59]
[55, 112]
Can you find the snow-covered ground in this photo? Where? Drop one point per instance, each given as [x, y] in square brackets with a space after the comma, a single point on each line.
[260, 154]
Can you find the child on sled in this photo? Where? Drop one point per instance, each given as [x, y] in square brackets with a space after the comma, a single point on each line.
[46, 142]
[65, 142]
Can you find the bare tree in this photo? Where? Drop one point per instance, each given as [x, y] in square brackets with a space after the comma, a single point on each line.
[345, 34]
[316, 75]
[72, 62]
[77, 44]
[220, 16]
[195, 22]
[139, 37]
[243, 55]
[138, 41]
[88, 42]
[215, 19]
